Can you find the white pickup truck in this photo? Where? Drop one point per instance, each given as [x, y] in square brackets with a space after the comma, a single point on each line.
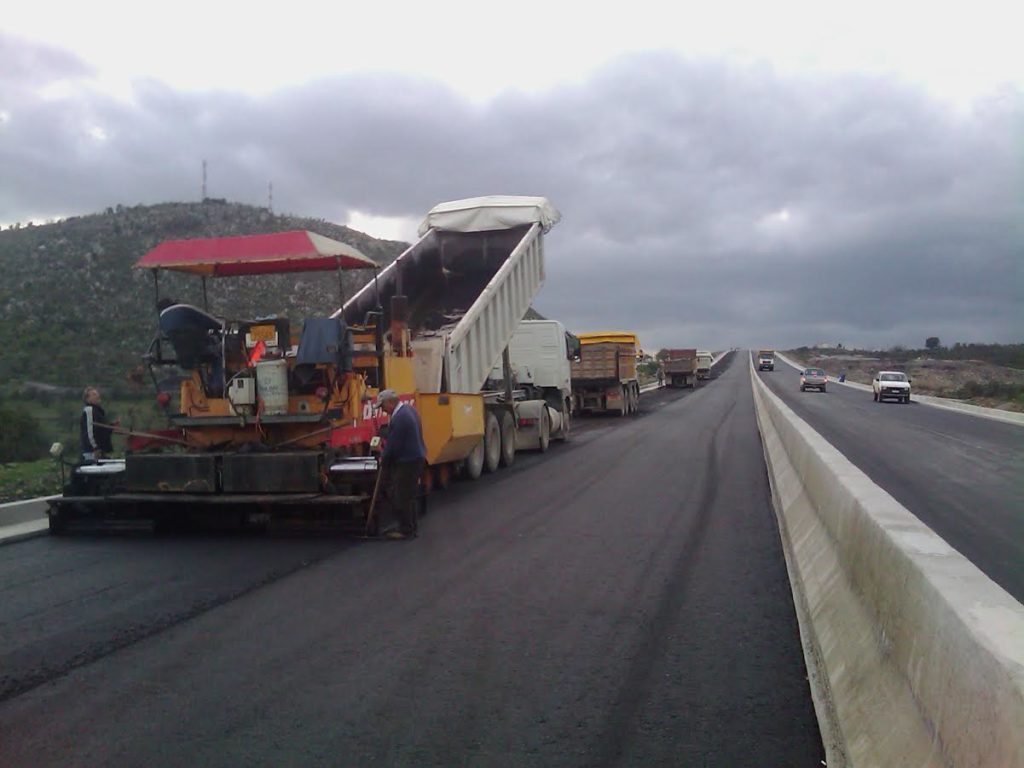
[891, 384]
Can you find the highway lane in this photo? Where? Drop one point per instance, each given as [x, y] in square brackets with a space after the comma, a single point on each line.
[623, 601]
[961, 475]
[69, 601]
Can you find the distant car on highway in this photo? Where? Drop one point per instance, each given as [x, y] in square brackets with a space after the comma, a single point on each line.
[891, 384]
[813, 378]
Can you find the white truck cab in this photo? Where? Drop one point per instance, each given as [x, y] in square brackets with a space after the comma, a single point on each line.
[540, 353]
[893, 385]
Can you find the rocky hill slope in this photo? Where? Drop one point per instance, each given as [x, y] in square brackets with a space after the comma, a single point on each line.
[72, 310]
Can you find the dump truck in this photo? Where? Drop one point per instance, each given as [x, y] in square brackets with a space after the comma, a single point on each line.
[766, 360]
[540, 354]
[704, 361]
[268, 422]
[680, 367]
[452, 303]
[604, 378]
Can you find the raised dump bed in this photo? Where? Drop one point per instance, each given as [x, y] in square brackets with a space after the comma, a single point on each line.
[451, 304]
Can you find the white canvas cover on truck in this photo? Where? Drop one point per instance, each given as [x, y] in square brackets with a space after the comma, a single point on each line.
[493, 212]
[468, 281]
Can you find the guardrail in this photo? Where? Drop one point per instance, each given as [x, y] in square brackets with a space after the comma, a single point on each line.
[915, 657]
[20, 520]
[1007, 417]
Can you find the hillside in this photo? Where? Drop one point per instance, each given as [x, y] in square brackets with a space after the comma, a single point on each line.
[72, 310]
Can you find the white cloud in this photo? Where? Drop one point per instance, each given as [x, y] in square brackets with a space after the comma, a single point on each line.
[958, 51]
[384, 227]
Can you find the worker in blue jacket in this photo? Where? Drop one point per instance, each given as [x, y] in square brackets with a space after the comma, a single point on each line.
[402, 461]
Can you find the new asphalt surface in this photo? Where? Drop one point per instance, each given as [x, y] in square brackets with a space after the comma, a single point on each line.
[963, 476]
[621, 601]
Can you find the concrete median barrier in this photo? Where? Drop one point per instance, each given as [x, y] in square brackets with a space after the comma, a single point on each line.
[915, 657]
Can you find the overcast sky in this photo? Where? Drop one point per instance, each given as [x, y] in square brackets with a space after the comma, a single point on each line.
[726, 176]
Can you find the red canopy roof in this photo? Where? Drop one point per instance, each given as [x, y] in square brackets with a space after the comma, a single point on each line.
[295, 251]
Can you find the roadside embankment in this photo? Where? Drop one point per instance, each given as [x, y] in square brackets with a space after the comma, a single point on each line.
[996, 414]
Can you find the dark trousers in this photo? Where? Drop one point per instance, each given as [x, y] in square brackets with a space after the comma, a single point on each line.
[404, 490]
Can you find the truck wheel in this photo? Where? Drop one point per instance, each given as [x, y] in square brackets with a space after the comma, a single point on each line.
[58, 523]
[566, 421]
[508, 439]
[475, 461]
[624, 399]
[545, 433]
[492, 442]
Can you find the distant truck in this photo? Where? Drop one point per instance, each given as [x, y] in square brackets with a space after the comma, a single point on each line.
[766, 360]
[680, 367]
[704, 360]
[604, 379]
[539, 356]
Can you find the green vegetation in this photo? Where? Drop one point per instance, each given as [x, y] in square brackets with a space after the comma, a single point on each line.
[993, 390]
[1007, 355]
[73, 311]
[28, 479]
[20, 437]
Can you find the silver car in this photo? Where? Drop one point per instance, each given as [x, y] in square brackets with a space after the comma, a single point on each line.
[813, 378]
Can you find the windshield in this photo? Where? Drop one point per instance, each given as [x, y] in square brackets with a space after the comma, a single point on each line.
[814, 372]
[893, 377]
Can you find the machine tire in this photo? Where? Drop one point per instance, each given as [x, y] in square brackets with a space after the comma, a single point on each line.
[545, 434]
[443, 476]
[492, 442]
[508, 439]
[475, 461]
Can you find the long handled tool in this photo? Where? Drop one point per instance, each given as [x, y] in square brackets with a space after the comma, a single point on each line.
[135, 433]
[373, 501]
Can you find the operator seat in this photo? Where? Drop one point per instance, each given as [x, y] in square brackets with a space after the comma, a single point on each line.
[324, 341]
[197, 338]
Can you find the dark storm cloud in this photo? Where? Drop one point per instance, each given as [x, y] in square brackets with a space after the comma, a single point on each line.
[902, 216]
